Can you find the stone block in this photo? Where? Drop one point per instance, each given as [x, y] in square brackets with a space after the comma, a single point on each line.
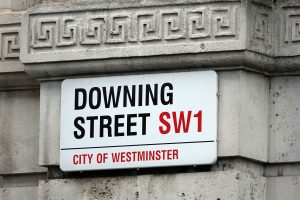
[49, 123]
[17, 5]
[10, 25]
[284, 169]
[144, 29]
[4, 5]
[243, 115]
[17, 81]
[254, 116]
[287, 12]
[228, 114]
[284, 187]
[22, 180]
[24, 193]
[255, 34]
[229, 185]
[12, 75]
[239, 164]
[285, 118]
[19, 117]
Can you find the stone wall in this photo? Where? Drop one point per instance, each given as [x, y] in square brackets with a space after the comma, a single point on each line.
[253, 45]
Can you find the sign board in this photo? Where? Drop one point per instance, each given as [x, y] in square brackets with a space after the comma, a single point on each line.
[136, 121]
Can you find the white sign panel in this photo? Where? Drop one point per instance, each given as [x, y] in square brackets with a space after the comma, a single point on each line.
[135, 121]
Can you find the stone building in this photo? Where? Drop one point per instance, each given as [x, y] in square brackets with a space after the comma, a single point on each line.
[253, 45]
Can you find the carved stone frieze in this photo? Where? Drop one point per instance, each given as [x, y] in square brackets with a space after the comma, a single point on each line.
[289, 37]
[256, 34]
[261, 25]
[97, 34]
[9, 42]
[12, 75]
[10, 27]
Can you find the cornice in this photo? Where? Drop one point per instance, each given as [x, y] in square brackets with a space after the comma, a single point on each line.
[12, 74]
[253, 34]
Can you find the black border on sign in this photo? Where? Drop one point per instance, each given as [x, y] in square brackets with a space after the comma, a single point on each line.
[136, 145]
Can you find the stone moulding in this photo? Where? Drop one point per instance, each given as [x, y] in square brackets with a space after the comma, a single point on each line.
[10, 25]
[9, 43]
[260, 24]
[289, 41]
[12, 75]
[256, 32]
[131, 32]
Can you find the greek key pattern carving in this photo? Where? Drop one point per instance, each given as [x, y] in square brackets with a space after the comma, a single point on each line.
[262, 27]
[134, 27]
[289, 43]
[9, 43]
[292, 26]
[261, 37]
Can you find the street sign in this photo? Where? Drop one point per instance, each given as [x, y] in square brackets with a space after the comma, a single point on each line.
[137, 121]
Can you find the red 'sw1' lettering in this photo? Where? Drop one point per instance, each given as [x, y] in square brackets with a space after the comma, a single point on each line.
[181, 121]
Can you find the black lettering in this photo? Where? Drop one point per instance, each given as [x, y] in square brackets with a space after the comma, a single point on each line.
[144, 122]
[92, 125]
[130, 123]
[106, 125]
[166, 98]
[84, 98]
[149, 93]
[129, 97]
[110, 98]
[118, 124]
[140, 95]
[78, 135]
[98, 97]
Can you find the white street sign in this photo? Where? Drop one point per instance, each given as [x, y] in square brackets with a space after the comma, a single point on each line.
[136, 121]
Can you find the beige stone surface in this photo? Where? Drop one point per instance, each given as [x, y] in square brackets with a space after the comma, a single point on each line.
[254, 116]
[283, 188]
[17, 81]
[49, 123]
[10, 25]
[12, 75]
[22, 180]
[255, 34]
[285, 119]
[19, 117]
[17, 5]
[230, 185]
[24, 193]
[165, 28]
[228, 114]
[283, 169]
[243, 115]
